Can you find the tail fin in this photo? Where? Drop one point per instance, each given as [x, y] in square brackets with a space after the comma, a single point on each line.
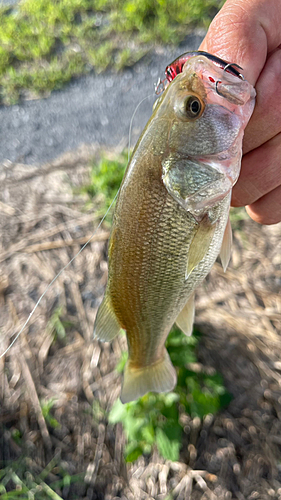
[160, 377]
[106, 325]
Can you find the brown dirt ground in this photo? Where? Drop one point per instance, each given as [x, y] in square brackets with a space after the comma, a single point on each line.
[235, 454]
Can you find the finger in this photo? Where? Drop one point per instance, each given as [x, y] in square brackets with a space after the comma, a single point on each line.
[266, 120]
[260, 173]
[244, 32]
[267, 210]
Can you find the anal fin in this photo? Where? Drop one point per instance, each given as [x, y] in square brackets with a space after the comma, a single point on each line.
[159, 377]
[225, 252]
[199, 245]
[106, 326]
[185, 318]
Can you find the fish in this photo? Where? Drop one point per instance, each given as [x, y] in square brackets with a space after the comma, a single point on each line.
[171, 219]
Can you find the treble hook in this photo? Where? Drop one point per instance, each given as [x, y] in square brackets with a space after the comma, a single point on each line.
[229, 65]
[237, 66]
[217, 91]
[160, 86]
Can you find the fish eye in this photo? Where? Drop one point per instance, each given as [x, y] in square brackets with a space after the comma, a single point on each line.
[189, 107]
[193, 106]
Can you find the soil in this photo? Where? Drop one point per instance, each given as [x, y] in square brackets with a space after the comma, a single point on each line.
[234, 454]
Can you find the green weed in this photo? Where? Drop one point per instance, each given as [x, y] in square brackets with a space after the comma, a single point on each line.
[155, 419]
[98, 412]
[237, 215]
[55, 324]
[19, 481]
[105, 179]
[16, 435]
[46, 407]
[43, 44]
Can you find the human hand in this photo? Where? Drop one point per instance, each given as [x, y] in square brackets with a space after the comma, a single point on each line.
[247, 32]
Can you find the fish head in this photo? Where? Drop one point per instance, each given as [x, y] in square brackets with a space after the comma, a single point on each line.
[206, 107]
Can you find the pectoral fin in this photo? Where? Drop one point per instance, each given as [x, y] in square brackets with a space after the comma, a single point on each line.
[199, 245]
[225, 252]
[159, 377]
[185, 318]
[190, 182]
[106, 325]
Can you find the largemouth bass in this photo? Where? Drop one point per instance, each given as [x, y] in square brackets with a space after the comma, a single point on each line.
[171, 217]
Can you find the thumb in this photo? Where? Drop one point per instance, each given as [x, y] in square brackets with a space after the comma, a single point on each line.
[244, 32]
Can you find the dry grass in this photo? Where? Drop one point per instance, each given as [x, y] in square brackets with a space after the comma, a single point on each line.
[235, 454]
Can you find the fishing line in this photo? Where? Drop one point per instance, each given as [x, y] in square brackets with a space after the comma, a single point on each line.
[131, 122]
[81, 249]
[55, 278]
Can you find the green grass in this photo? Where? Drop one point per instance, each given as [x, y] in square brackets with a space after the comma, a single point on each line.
[155, 419]
[46, 407]
[19, 481]
[56, 326]
[45, 43]
[105, 179]
[237, 216]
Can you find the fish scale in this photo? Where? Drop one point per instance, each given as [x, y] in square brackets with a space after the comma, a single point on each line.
[171, 217]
